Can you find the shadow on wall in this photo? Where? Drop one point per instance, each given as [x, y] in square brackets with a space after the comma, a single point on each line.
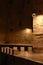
[2, 37]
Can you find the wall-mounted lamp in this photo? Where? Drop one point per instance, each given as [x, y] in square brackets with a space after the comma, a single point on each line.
[34, 14]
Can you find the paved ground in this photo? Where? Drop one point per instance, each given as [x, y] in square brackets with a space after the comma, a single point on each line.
[37, 57]
[6, 59]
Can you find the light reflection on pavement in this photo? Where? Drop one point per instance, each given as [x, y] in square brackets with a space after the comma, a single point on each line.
[37, 57]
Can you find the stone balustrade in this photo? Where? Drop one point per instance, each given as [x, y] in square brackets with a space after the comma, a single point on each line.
[13, 50]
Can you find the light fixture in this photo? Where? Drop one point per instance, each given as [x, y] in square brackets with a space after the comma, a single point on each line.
[34, 14]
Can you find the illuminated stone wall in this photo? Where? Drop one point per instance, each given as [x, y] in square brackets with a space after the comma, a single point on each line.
[14, 17]
[38, 31]
[21, 37]
[38, 24]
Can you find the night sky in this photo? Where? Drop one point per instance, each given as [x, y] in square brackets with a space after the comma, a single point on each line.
[15, 14]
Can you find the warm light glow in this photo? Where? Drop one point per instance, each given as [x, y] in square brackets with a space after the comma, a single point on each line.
[40, 20]
[38, 24]
[28, 30]
[27, 35]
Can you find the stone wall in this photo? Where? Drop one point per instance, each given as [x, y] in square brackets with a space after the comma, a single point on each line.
[2, 37]
[20, 37]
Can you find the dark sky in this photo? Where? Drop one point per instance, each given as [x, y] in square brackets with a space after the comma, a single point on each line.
[15, 14]
[22, 11]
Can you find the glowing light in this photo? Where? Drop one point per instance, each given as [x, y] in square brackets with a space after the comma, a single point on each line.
[40, 20]
[28, 30]
[38, 24]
